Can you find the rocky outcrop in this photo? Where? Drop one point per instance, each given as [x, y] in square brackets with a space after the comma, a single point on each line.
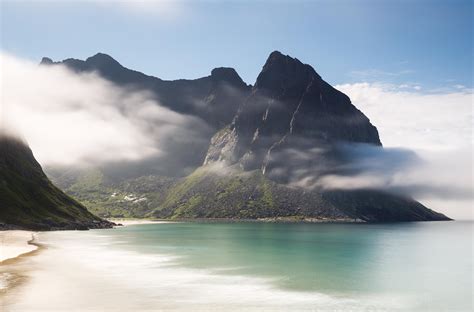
[28, 199]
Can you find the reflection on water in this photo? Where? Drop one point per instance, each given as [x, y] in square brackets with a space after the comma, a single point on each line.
[223, 266]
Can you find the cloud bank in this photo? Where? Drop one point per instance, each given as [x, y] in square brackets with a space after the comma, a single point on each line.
[436, 127]
[428, 153]
[71, 119]
[416, 120]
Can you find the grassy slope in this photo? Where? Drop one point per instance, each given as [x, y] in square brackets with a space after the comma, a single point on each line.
[248, 195]
[29, 199]
[208, 193]
[130, 198]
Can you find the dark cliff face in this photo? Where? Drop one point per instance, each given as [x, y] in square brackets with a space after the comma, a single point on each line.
[290, 107]
[29, 200]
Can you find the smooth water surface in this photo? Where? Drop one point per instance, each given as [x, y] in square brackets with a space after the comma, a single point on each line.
[256, 266]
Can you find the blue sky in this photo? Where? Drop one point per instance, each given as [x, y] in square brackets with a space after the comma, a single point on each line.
[420, 43]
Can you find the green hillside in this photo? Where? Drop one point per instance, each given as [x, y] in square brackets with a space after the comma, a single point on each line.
[29, 200]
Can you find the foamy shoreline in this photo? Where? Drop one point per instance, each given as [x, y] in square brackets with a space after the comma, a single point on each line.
[15, 243]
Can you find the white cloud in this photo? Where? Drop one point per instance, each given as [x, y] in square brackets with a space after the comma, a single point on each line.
[377, 74]
[420, 121]
[438, 127]
[83, 119]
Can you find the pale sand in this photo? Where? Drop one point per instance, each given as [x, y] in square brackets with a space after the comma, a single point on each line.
[126, 222]
[15, 243]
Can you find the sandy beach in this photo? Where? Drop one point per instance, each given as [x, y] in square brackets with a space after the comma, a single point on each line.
[15, 243]
[127, 222]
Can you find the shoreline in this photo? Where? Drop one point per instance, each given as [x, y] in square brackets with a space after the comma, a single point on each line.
[134, 221]
[19, 247]
[290, 219]
[16, 244]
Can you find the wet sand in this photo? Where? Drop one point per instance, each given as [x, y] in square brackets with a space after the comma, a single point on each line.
[15, 243]
[15, 247]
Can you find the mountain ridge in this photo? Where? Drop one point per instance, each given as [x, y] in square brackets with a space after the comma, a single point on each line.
[290, 121]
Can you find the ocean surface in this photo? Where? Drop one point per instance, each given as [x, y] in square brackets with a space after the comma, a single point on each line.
[251, 267]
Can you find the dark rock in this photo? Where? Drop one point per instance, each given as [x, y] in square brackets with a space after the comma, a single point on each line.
[46, 61]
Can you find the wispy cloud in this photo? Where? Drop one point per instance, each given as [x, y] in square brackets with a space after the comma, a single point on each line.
[377, 74]
[428, 150]
[69, 118]
[416, 120]
[435, 124]
[164, 9]
[167, 9]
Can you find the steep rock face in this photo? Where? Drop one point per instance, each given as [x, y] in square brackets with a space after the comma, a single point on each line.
[29, 200]
[290, 107]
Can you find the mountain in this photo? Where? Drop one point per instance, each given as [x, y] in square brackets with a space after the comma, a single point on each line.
[214, 98]
[272, 143]
[290, 108]
[29, 200]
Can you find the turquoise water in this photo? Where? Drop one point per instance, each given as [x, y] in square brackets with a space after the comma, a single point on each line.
[432, 260]
[260, 266]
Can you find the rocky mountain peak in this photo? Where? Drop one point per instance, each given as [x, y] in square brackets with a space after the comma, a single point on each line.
[290, 108]
[228, 75]
[46, 61]
[283, 72]
[101, 60]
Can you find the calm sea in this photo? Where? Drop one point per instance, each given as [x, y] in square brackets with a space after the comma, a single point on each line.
[253, 266]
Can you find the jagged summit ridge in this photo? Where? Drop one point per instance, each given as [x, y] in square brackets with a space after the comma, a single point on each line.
[194, 97]
[228, 75]
[281, 72]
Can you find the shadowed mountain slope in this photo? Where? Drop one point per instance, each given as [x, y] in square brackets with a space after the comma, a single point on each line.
[29, 200]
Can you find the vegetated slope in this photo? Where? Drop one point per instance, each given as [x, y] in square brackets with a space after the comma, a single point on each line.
[29, 200]
[238, 194]
[107, 197]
